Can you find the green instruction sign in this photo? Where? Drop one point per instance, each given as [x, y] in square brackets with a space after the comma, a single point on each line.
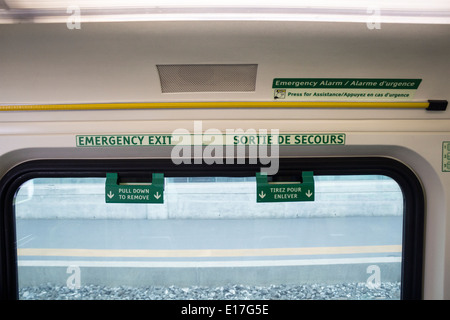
[134, 193]
[344, 89]
[446, 156]
[285, 192]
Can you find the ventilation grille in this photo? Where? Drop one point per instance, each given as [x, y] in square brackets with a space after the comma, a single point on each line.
[207, 77]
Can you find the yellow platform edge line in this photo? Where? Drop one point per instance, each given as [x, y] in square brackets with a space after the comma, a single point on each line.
[130, 253]
[215, 105]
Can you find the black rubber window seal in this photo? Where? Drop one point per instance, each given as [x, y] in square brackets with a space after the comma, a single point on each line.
[413, 195]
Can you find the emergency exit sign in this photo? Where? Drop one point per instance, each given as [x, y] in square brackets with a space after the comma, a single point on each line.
[285, 191]
[134, 193]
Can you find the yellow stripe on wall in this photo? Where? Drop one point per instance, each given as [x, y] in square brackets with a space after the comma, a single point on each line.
[207, 252]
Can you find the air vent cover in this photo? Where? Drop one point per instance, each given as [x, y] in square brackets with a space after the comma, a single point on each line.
[207, 77]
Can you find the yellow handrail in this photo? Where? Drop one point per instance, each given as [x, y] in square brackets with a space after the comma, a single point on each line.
[216, 105]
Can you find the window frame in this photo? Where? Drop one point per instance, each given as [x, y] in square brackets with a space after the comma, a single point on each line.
[413, 198]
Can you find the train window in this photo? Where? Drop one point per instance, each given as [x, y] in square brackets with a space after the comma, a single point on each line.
[210, 239]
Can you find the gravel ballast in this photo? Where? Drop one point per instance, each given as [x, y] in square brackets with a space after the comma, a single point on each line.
[347, 291]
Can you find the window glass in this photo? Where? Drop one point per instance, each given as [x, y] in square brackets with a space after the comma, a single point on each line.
[210, 239]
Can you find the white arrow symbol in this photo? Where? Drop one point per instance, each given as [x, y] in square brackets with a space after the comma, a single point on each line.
[110, 194]
[157, 195]
[309, 194]
[262, 195]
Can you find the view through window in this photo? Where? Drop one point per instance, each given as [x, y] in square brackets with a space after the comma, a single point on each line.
[210, 239]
